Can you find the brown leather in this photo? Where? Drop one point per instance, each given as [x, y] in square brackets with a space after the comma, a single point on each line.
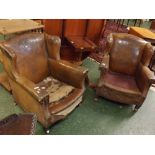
[128, 47]
[27, 47]
[69, 73]
[147, 54]
[21, 124]
[5, 81]
[31, 58]
[53, 46]
[125, 76]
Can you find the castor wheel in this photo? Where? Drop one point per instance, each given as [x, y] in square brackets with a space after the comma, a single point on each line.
[47, 131]
[96, 98]
[135, 110]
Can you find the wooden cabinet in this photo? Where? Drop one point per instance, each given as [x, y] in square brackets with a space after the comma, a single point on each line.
[75, 27]
[83, 31]
[94, 29]
[90, 28]
[53, 26]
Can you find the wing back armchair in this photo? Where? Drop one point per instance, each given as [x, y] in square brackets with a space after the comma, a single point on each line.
[42, 83]
[125, 76]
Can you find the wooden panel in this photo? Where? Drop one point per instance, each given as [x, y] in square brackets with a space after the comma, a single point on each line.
[94, 29]
[75, 27]
[53, 26]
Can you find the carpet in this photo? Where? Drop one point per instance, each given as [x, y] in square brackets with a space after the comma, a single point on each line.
[94, 117]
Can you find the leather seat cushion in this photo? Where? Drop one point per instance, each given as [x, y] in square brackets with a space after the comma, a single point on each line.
[120, 88]
[121, 82]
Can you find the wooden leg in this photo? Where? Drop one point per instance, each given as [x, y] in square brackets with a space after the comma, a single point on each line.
[47, 130]
[96, 98]
[128, 22]
[135, 22]
[137, 107]
[123, 21]
[92, 85]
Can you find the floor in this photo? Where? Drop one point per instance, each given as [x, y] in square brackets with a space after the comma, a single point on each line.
[94, 117]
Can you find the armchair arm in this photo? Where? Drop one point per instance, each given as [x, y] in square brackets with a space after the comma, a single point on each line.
[38, 93]
[144, 78]
[149, 74]
[68, 73]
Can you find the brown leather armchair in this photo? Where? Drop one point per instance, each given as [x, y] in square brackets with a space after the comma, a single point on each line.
[125, 76]
[42, 83]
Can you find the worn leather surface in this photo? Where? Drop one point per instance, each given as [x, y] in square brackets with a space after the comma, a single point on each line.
[69, 73]
[31, 58]
[53, 46]
[125, 76]
[26, 48]
[119, 81]
[21, 124]
[125, 51]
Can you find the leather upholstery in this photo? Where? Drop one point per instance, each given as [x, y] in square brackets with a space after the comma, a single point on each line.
[125, 76]
[27, 47]
[31, 60]
[53, 51]
[125, 51]
[21, 124]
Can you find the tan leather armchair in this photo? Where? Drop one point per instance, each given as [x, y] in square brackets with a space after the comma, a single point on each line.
[42, 83]
[125, 76]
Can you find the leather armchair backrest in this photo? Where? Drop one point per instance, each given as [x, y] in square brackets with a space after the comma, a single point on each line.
[31, 56]
[125, 53]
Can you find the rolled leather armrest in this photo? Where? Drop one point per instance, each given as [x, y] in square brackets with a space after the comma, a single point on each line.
[144, 78]
[39, 94]
[68, 73]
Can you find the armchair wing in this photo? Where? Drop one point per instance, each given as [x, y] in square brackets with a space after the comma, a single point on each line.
[53, 46]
